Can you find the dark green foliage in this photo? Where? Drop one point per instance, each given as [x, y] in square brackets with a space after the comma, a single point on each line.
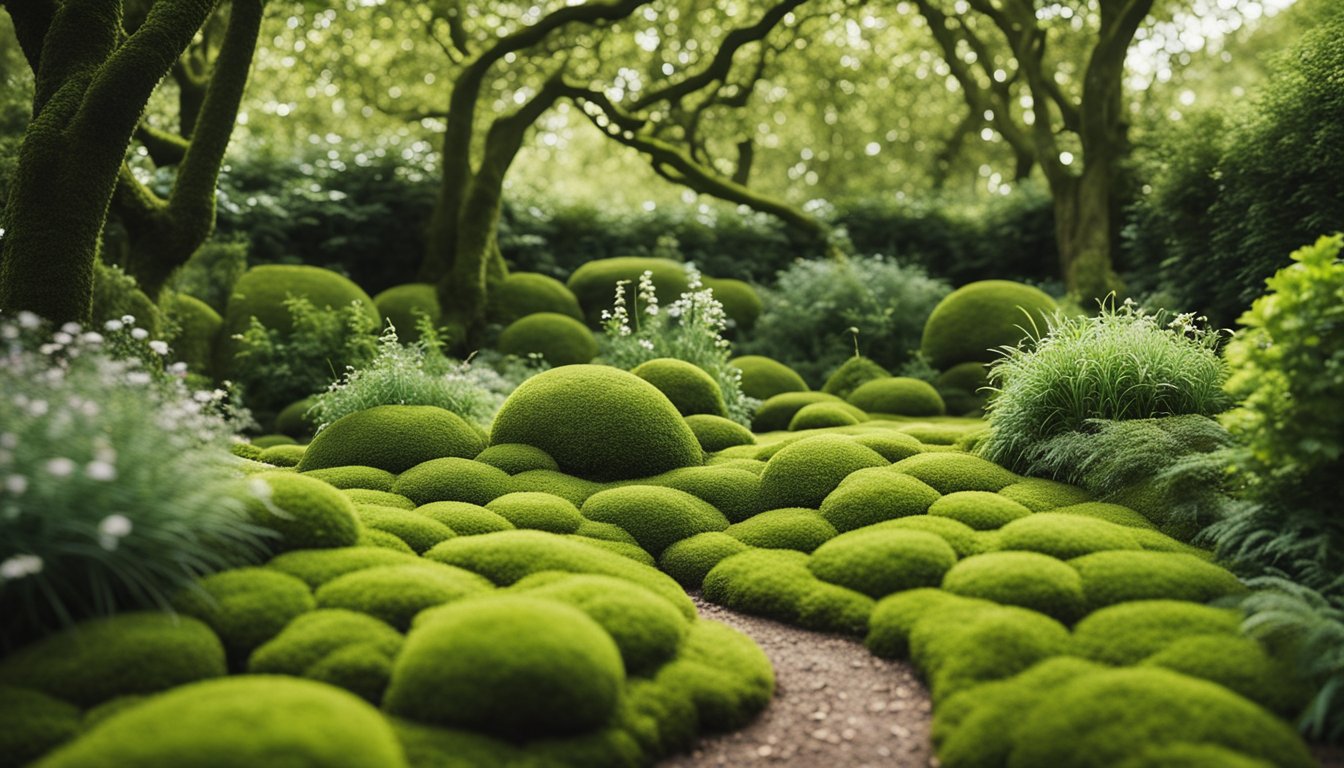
[952, 472]
[804, 473]
[826, 415]
[716, 433]
[1040, 495]
[898, 395]
[525, 293]
[559, 339]
[246, 607]
[959, 647]
[740, 302]
[344, 648]
[893, 446]
[778, 410]
[419, 532]
[392, 438]
[240, 721]
[355, 478]
[465, 519]
[404, 306]
[594, 283]
[1113, 577]
[516, 457]
[34, 724]
[318, 566]
[452, 479]
[1130, 632]
[196, 329]
[1065, 536]
[396, 593]
[130, 653]
[657, 517]
[1027, 579]
[211, 272]
[852, 373]
[870, 496]
[880, 562]
[510, 666]
[974, 321]
[597, 422]
[981, 510]
[763, 377]
[689, 388]
[115, 293]
[307, 513]
[777, 584]
[690, 559]
[538, 511]
[790, 528]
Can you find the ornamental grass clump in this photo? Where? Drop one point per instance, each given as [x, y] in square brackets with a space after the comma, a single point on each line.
[117, 486]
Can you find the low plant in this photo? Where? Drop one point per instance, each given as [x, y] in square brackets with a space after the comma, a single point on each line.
[117, 486]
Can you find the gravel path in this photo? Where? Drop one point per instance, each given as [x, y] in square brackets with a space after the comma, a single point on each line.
[836, 706]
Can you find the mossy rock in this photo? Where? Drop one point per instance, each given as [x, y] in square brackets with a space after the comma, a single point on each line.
[825, 416]
[981, 510]
[1065, 536]
[895, 615]
[763, 378]
[404, 305]
[645, 627]
[851, 374]
[950, 472]
[806, 472]
[1239, 664]
[419, 532]
[778, 410]
[526, 293]
[777, 584]
[594, 282]
[690, 559]
[198, 328]
[392, 438]
[121, 655]
[656, 516]
[1128, 633]
[963, 646]
[893, 446]
[396, 593]
[246, 606]
[789, 528]
[1116, 577]
[1041, 495]
[514, 666]
[690, 388]
[1111, 513]
[516, 458]
[368, 496]
[246, 451]
[307, 513]
[870, 496]
[35, 723]
[598, 422]
[973, 322]
[453, 479]
[715, 433]
[733, 491]
[880, 562]
[464, 518]
[1105, 718]
[355, 478]
[575, 489]
[559, 339]
[963, 539]
[316, 567]
[1026, 579]
[538, 511]
[899, 395]
[320, 645]
[249, 720]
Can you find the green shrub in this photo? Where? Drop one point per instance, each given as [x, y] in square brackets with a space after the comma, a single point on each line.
[307, 513]
[763, 378]
[1093, 721]
[392, 438]
[538, 511]
[597, 422]
[34, 724]
[322, 644]
[211, 273]
[1027, 579]
[316, 567]
[824, 416]
[690, 559]
[880, 562]
[804, 473]
[419, 532]
[740, 302]
[656, 516]
[559, 339]
[778, 411]
[355, 477]
[870, 496]
[689, 388]
[962, 646]
[1113, 577]
[973, 322]
[526, 293]
[1127, 633]
[197, 328]
[981, 510]
[405, 307]
[959, 536]
[123, 655]
[464, 518]
[246, 607]
[716, 433]
[953, 472]
[790, 528]
[1041, 495]
[734, 492]
[594, 282]
[777, 584]
[396, 593]
[898, 395]
[453, 479]
[240, 721]
[895, 616]
[893, 446]
[516, 457]
[1065, 536]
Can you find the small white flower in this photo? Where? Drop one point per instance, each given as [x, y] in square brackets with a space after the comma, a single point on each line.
[115, 525]
[48, 349]
[19, 566]
[161, 347]
[113, 325]
[71, 328]
[178, 368]
[645, 343]
[139, 334]
[128, 319]
[9, 440]
[138, 378]
[29, 320]
[60, 467]
[91, 337]
[100, 470]
[38, 408]
[9, 332]
[16, 484]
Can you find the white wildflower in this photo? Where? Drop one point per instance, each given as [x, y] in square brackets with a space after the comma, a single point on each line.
[100, 470]
[28, 320]
[645, 343]
[91, 337]
[19, 566]
[71, 328]
[138, 378]
[139, 334]
[9, 440]
[115, 525]
[16, 484]
[128, 319]
[60, 467]
[113, 326]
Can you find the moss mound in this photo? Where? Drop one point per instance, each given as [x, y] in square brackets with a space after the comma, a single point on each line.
[1026, 579]
[240, 721]
[365, 497]
[575, 489]
[539, 511]
[34, 724]
[393, 438]
[763, 378]
[690, 559]
[880, 562]
[1128, 633]
[372, 537]
[307, 513]
[198, 327]
[970, 323]
[777, 584]
[465, 519]
[804, 473]
[893, 446]
[789, 528]
[825, 416]
[1041, 495]
[1184, 755]
[419, 532]
[733, 491]
[347, 649]
[355, 478]
[1116, 577]
[453, 479]
[740, 301]
[292, 420]
[898, 395]
[960, 537]
[1065, 536]
[514, 666]
[1239, 664]
[560, 339]
[962, 646]
[949, 472]
[895, 616]
[396, 593]
[691, 390]
[1111, 513]
[316, 567]
[246, 607]
[851, 374]
[404, 305]
[966, 377]
[778, 410]
[981, 510]
[598, 422]
[873, 495]
[281, 454]
[655, 516]
[714, 433]
[526, 293]
[515, 458]
[594, 283]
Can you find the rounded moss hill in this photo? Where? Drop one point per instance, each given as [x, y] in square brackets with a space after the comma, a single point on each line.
[453, 479]
[393, 438]
[405, 305]
[293, 419]
[417, 531]
[307, 513]
[655, 516]
[1120, 576]
[1128, 633]
[321, 645]
[526, 293]
[970, 323]
[899, 395]
[34, 724]
[716, 432]
[246, 606]
[825, 416]
[513, 666]
[871, 496]
[599, 423]
[981, 510]
[516, 458]
[778, 411]
[1027, 579]
[690, 388]
[740, 301]
[396, 593]
[851, 374]
[559, 339]
[198, 328]
[538, 511]
[880, 562]
[804, 473]
[690, 559]
[764, 377]
[789, 528]
[464, 518]
[594, 283]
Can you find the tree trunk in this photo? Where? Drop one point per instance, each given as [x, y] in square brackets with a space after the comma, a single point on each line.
[1083, 230]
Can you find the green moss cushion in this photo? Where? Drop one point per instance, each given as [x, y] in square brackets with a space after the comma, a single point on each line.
[960, 647]
[716, 433]
[525, 293]
[418, 531]
[1186, 755]
[355, 478]
[1104, 718]
[778, 410]
[453, 479]
[396, 593]
[125, 654]
[763, 377]
[591, 529]
[251, 720]
[575, 489]
[246, 606]
[465, 519]
[1239, 664]
[559, 339]
[1065, 536]
[825, 416]
[198, 327]
[1027, 579]
[690, 559]
[733, 491]
[373, 537]
[852, 373]
[893, 446]
[899, 395]
[404, 305]
[964, 377]
[645, 627]
[974, 321]
[281, 455]
[514, 666]
[515, 458]
[306, 513]
[805, 472]
[963, 539]
[392, 438]
[880, 562]
[873, 495]
[365, 496]
[1111, 513]
[539, 511]
[777, 584]
[323, 644]
[316, 567]
[625, 549]
[894, 616]
[950, 472]
[34, 724]
[594, 283]
[689, 387]
[655, 516]
[981, 510]
[598, 422]
[1130, 632]
[740, 301]
[1041, 495]
[789, 528]
[1114, 577]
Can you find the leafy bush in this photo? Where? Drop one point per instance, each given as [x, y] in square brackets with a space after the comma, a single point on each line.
[1121, 364]
[808, 315]
[118, 484]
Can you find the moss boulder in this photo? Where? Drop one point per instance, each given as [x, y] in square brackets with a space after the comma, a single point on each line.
[716, 433]
[899, 395]
[392, 438]
[970, 323]
[594, 282]
[404, 305]
[764, 377]
[689, 387]
[525, 293]
[559, 339]
[307, 513]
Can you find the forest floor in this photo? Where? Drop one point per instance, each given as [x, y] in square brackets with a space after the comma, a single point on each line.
[835, 705]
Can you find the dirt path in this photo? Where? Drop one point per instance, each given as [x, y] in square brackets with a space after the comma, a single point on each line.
[836, 706]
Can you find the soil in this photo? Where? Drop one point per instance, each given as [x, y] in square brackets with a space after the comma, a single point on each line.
[836, 705]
